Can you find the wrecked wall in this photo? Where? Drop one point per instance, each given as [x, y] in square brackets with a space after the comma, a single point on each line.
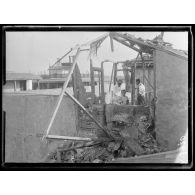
[27, 117]
[172, 102]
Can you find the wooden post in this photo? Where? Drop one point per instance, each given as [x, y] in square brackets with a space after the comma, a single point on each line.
[99, 80]
[154, 66]
[74, 81]
[102, 84]
[143, 67]
[115, 73]
[133, 85]
[76, 93]
[134, 80]
[62, 93]
[70, 59]
[92, 79]
[38, 85]
[14, 85]
[112, 74]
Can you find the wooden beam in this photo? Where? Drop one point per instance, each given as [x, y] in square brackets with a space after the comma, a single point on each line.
[62, 92]
[59, 137]
[85, 50]
[143, 67]
[92, 79]
[111, 43]
[115, 73]
[62, 57]
[154, 66]
[102, 84]
[84, 109]
[126, 44]
[112, 74]
[134, 80]
[99, 79]
[14, 85]
[155, 95]
[133, 85]
[38, 85]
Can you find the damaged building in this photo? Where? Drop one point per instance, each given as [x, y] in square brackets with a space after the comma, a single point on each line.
[83, 128]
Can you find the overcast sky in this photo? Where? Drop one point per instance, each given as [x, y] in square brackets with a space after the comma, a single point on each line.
[35, 51]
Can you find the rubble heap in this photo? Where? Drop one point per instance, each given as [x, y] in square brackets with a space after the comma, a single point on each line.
[129, 140]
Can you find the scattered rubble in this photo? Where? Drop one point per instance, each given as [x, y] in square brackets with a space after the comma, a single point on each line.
[129, 140]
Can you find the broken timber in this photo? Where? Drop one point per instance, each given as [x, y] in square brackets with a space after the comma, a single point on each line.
[62, 93]
[68, 138]
[83, 108]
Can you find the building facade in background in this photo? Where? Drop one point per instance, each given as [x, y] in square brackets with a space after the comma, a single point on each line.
[20, 82]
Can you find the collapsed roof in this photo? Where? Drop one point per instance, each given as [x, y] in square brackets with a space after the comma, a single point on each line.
[137, 44]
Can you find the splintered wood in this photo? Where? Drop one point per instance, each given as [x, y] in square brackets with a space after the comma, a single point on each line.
[128, 140]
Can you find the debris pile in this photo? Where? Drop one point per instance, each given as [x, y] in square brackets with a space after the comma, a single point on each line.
[129, 140]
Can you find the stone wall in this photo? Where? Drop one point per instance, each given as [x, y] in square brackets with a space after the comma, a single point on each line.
[172, 102]
[26, 119]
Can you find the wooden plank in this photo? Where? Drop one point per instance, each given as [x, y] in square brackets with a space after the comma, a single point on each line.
[59, 137]
[62, 93]
[83, 108]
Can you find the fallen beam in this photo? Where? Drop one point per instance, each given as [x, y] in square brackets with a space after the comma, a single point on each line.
[83, 108]
[59, 137]
[62, 93]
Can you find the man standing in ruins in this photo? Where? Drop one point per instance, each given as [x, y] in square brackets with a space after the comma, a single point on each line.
[140, 92]
[116, 92]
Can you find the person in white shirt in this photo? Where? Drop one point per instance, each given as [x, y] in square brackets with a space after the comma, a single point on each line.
[140, 92]
[116, 92]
